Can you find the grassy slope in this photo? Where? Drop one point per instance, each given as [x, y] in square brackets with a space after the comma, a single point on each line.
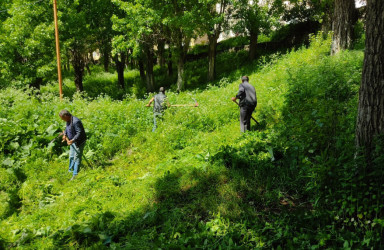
[174, 187]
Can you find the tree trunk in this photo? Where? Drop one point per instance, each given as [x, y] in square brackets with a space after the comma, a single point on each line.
[88, 69]
[106, 62]
[169, 64]
[150, 79]
[253, 46]
[68, 61]
[36, 83]
[142, 71]
[180, 73]
[182, 50]
[212, 56]
[88, 61]
[106, 57]
[161, 52]
[370, 120]
[78, 64]
[131, 62]
[344, 19]
[120, 63]
[326, 25]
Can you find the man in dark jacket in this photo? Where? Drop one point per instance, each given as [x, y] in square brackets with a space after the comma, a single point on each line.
[248, 103]
[160, 105]
[74, 135]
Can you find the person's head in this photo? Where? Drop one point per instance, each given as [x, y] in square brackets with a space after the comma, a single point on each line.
[162, 90]
[245, 79]
[65, 115]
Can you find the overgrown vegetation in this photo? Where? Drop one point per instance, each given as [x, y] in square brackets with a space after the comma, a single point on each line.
[197, 182]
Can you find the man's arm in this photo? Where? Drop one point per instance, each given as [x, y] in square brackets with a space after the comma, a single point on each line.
[64, 133]
[150, 102]
[239, 94]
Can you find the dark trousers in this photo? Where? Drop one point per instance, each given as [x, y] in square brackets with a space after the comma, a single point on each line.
[245, 117]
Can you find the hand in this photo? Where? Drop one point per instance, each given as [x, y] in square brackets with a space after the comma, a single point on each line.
[70, 142]
[64, 138]
[233, 99]
[148, 105]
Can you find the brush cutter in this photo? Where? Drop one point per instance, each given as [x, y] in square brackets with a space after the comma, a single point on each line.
[56, 137]
[85, 158]
[187, 105]
[235, 101]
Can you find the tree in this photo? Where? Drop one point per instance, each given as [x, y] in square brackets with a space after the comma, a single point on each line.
[370, 120]
[344, 19]
[100, 21]
[253, 19]
[77, 34]
[148, 22]
[299, 11]
[26, 43]
[161, 48]
[214, 20]
[120, 66]
[138, 29]
[182, 19]
[4, 5]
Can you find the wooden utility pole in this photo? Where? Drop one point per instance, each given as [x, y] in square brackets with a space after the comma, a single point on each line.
[58, 49]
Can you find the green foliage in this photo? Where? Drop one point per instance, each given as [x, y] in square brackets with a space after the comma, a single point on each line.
[26, 44]
[325, 98]
[359, 35]
[253, 17]
[100, 83]
[305, 10]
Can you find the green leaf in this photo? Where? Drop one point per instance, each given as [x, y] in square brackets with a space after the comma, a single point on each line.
[8, 162]
[51, 130]
[14, 145]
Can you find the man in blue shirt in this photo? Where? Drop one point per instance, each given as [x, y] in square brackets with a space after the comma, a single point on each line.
[74, 135]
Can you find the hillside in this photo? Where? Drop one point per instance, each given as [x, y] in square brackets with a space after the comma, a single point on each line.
[196, 182]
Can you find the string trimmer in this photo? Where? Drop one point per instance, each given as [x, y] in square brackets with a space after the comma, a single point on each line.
[187, 105]
[235, 101]
[85, 158]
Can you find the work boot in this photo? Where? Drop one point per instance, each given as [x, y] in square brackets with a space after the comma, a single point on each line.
[73, 177]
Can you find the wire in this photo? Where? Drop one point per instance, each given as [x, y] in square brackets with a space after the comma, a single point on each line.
[6, 10]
